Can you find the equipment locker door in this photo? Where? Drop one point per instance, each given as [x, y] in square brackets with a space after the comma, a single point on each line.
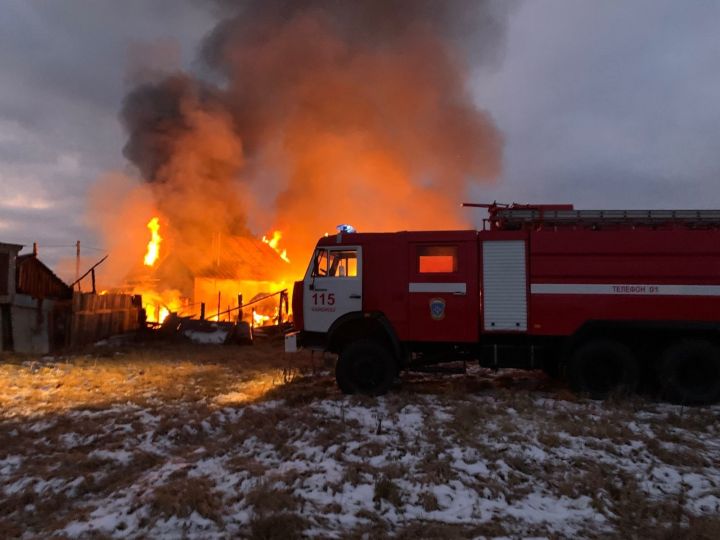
[443, 291]
[504, 286]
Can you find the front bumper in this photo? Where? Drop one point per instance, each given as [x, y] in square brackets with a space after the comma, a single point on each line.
[292, 342]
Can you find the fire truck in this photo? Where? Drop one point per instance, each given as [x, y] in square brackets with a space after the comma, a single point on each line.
[607, 299]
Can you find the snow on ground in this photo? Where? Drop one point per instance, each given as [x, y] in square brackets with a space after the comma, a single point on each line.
[431, 459]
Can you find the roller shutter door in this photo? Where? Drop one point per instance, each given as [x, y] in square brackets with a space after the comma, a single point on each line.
[504, 286]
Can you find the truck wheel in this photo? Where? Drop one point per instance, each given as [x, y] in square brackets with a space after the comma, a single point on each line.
[365, 367]
[690, 372]
[602, 367]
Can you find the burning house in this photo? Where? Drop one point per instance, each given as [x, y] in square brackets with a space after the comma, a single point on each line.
[213, 282]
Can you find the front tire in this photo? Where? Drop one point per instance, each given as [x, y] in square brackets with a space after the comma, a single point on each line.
[690, 372]
[365, 367]
[602, 367]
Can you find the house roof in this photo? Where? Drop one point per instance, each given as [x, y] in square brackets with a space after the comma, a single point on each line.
[243, 257]
[239, 258]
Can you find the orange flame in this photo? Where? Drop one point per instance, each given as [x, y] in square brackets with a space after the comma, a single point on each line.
[159, 305]
[260, 320]
[274, 243]
[153, 246]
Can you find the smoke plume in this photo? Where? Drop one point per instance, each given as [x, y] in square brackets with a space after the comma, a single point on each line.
[311, 113]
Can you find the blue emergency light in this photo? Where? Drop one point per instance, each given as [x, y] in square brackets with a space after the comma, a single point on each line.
[345, 229]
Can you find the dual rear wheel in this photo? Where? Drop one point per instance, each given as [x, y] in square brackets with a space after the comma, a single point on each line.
[602, 367]
[687, 372]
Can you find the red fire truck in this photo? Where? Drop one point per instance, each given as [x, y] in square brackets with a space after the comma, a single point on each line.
[605, 298]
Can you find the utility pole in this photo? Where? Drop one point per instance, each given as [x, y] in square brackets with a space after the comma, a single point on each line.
[77, 263]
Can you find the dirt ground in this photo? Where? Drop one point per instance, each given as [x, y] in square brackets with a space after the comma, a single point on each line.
[208, 441]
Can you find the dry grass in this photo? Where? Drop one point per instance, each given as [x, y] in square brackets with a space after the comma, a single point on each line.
[260, 447]
[282, 526]
[166, 373]
[387, 490]
[182, 495]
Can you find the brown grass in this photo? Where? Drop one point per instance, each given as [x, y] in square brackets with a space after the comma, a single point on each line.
[182, 495]
[198, 398]
[387, 490]
[187, 373]
[280, 526]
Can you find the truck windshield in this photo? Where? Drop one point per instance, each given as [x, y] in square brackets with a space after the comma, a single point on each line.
[320, 266]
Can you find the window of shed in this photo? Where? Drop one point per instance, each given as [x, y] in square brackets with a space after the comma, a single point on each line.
[437, 259]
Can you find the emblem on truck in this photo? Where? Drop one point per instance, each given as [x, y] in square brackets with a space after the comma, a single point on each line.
[437, 309]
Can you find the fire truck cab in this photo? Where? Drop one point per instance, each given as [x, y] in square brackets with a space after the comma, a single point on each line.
[606, 299]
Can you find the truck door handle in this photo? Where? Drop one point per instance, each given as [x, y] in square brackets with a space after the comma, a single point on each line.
[355, 296]
[458, 293]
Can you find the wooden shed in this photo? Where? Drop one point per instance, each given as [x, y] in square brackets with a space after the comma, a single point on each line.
[37, 314]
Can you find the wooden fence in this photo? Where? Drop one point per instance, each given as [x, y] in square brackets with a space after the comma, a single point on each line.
[98, 316]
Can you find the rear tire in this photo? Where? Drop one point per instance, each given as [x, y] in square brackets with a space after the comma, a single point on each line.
[602, 367]
[365, 367]
[690, 372]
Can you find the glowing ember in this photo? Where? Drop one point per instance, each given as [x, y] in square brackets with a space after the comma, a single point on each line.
[153, 247]
[274, 243]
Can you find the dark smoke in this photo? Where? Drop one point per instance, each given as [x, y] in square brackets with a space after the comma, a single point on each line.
[325, 111]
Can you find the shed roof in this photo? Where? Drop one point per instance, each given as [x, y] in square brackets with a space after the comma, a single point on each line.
[37, 279]
[8, 246]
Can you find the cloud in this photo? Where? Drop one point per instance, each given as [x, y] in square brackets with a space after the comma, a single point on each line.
[21, 201]
[610, 104]
[64, 70]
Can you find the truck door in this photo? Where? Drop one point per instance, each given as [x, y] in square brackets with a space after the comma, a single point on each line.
[333, 286]
[443, 296]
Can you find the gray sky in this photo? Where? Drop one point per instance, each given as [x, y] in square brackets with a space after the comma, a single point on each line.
[612, 104]
[602, 104]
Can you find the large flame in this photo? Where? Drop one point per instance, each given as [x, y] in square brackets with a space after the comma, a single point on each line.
[274, 243]
[153, 246]
[158, 305]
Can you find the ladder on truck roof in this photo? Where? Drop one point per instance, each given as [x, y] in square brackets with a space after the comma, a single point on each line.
[521, 216]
